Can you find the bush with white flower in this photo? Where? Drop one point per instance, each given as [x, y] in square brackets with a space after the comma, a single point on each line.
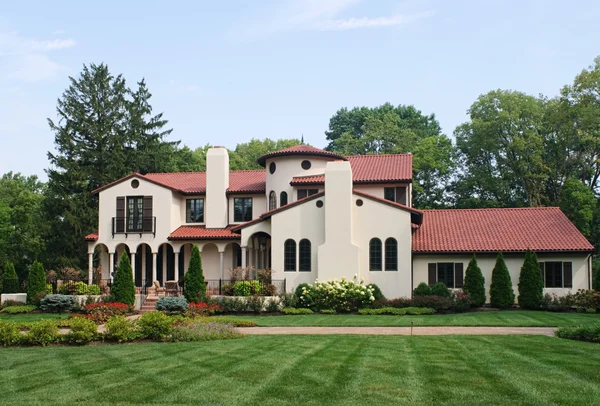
[343, 295]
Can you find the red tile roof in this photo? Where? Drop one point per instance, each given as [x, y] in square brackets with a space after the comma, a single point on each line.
[203, 233]
[299, 150]
[417, 217]
[91, 237]
[541, 229]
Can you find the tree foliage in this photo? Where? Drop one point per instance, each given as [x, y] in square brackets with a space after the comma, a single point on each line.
[123, 288]
[36, 283]
[531, 285]
[9, 278]
[578, 202]
[502, 294]
[474, 283]
[194, 288]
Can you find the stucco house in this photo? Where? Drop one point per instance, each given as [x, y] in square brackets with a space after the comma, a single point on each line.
[312, 214]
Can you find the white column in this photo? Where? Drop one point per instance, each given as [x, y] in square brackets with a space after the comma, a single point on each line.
[164, 264]
[243, 257]
[222, 263]
[144, 262]
[111, 265]
[90, 267]
[154, 265]
[133, 265]
[176, 255]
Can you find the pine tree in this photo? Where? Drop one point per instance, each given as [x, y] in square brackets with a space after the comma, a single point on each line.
[531, 284]
[194, 288]
[36, 283]
[123, 289]
[10, 281]
[502, 295]
[596, 276]
[475, 283]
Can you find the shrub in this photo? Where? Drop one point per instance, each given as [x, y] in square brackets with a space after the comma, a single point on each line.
[300, 299]
[172, 304]
[327, 311]
[18, 309]
[502, 295]
[43, 333]
[246, 288]
[123, 289]
[439, 289]
[288, 300]
[255, 303]
[233, 305]
[120, 329]
[531, 285]
[9, 303]
[596, 275]
[474, 284]
[399, 302]
[156, 326]
[589, 333]
[413, 311]
[342, 295]
[10, 280]
[439, 303]
[101, 312]
[377, 293]
[57, 303]
[9, 334]
[78, 288]
[227, 320]
[194, 288]
[272, 306]
[293, 310]
[227, 289]
[588, 299]
[202, 309]
[82, 331]
[554, 303]
[422, 289]
[461, 302]
[204, 331]
[36, 283]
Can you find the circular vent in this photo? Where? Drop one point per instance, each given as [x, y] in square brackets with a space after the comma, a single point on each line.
[306, 164]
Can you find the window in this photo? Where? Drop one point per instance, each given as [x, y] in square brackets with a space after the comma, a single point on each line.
[305, 259]
[135, 208]
[391, 254]
[272, 167]
[450, 274]
[445, 272]
[134, 215]
[302, 193]
[242, 209]
[306, 164]
[289, 262]
[283, 199]
[272, 201]
[557, 274]
[395, 194]
[194, 211]
[375, 254]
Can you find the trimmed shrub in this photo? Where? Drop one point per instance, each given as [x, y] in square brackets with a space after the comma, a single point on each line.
[502, 295]
[461, 302]
[156, 326]
[204, 331]
[233, 305]
[399, 302]
[82, 331]
[227, 320]
[589, 333]
[57, 303]
[194, 288]
[440, 289]
[10, 303]
[18, 309]
[246, 288]
[343, 295]
[120, 329]
[256, 303]
[474, 284]
[377, 293]
[36, 283]
[272, 306]
[9, 334]
[300, 299]
[100, 312]
[531, 285]
[288, 300]
[422, 289]
[293, 310]
[439, 303]
[172, 304]
[78, 288]
[10, 280]
[43, 332]
[123, 288]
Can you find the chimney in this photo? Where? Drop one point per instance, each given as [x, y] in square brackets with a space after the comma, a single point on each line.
[217, 182]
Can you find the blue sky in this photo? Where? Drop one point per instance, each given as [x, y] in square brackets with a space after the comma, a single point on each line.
[224, 72]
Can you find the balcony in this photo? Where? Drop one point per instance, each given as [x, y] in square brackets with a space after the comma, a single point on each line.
[134, 225]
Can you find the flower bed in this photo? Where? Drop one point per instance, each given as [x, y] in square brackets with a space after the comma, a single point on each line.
[100, 312]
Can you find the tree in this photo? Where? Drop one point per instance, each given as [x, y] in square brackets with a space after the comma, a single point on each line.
[502, 295]
[578, 202]
[596, 276]
[245, 155]
[123, 288]
[10, 281]
[36, 283]
[474, 283]
[194, 288]
[531, 285]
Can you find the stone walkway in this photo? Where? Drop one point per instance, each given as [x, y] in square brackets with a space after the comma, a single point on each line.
[405, 331]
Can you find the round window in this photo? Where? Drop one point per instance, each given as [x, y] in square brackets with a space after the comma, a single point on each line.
[272, 168]
[359, 202]
[319, 203]
[135, 183]
[306, 164]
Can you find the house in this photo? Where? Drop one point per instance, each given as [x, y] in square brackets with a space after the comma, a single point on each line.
[312, 214]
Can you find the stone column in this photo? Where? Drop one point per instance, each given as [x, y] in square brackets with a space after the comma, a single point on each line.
[243, 257]
[176, 255]
[111, 265]
[133, 255]
[144, 275]
[154, 265]
[222, 263]
[90, 267]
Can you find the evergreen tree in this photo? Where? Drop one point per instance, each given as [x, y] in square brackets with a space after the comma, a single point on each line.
[502, 295]
[475, 283]
[36, 283]
[10, 281]
[596, 276]
[123, 289]
[194, 288]
[531, 285]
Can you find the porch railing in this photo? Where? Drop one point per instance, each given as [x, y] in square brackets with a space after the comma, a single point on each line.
[141, 225]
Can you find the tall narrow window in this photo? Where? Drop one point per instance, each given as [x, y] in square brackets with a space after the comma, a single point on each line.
[391, 254]
[305, 259]
[445, 274]
[395, 194]
[283, 199]
[289, 264]
[302, 193]
[194, 211]
[242, 209]
[375, 254]
[120, 219]
[237, 256]
[135, 208]
[272, 201]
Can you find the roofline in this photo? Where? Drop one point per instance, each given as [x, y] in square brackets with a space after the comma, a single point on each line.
[354, 182]
[202, 238]
[515, 251]
[262, 161]
[132, 175]
[392, 204]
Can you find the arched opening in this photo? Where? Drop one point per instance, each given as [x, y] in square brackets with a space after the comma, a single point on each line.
[272, 200]
[375, 254]
[305, 263]
[143, 266]
[283, 199]
[165, 264]
[259, 251]
[119, 250]
[391, 254]
[289, 253]
[185, 253]
[211, 262]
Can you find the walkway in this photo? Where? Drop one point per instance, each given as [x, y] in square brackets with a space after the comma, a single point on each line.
[404, 331]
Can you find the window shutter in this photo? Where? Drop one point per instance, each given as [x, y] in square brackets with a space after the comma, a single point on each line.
[147, 219]
[120, 220]
[432, 273]
[568, 274]
[542, 270]
[458, 275]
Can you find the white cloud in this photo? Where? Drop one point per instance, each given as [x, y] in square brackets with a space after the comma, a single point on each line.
[354, 23]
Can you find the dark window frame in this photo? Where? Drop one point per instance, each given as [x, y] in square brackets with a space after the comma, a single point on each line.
[272, 200]
[391, 254]
[283, 199]
[289, 255]
[397, 194]
[305, 255]
[242, 209]
[557, 274]
[446, 270]
[375, 255]
[134, 210]
[302, 193]
[191, 206]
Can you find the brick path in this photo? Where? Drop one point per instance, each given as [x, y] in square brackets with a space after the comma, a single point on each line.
[419, 331]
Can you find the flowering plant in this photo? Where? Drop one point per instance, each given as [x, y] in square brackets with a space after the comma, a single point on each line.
[343, 295]
[100, 312]
[202, 309]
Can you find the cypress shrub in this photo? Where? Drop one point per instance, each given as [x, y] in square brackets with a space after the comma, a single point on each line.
[36, 283]
[123, 289]
[474, 284]
[531, 285]
[422, 289]
[10, 279]
[194, 288]
[502, 295]
[596, 276]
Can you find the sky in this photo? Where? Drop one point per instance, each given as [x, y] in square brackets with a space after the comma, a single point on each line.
[224, 72]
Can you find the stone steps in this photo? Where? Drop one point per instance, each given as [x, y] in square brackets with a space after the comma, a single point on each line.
[149, 305]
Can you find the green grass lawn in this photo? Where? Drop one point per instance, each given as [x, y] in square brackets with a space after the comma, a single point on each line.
[30, 317]
[308, 370]
[510, 318]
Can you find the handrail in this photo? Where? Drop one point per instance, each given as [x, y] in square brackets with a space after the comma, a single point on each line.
[120, 226]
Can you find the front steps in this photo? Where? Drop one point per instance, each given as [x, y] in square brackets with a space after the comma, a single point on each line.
[149, 304]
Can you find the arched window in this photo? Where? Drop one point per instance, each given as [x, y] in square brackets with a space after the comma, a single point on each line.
[375, 254]
[305, 262]
[391, 254]
[272, 201]
[283, 198]
[289, 261]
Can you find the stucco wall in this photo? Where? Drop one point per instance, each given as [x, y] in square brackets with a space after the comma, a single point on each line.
[259, 206]
[180, 201]
[377, 190]
[513, 261]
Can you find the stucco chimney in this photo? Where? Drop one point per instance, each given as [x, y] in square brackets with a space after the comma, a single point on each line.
[338, 256]
[217, 182]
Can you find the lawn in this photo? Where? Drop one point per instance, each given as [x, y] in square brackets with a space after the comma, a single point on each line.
[30, 317]
[509, 318]
[308, 370]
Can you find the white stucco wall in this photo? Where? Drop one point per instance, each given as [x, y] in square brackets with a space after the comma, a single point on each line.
[217, 182]
[181, 208]
[513, 261]
[377, 190]
[259, 206]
